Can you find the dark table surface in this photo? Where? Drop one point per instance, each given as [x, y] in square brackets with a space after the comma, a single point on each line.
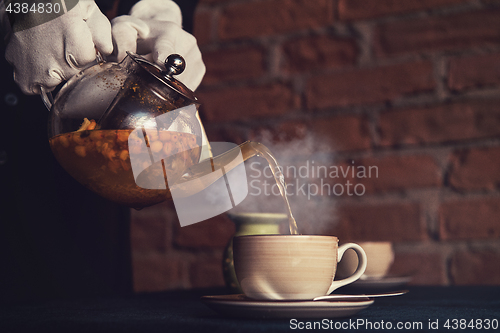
[182, 311]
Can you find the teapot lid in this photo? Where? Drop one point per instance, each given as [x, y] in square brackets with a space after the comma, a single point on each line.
[174, 65]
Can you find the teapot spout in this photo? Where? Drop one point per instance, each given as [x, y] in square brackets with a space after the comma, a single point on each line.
[220, 183]
[200, 176]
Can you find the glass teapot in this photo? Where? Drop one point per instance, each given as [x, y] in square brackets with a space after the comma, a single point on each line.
[118, 128]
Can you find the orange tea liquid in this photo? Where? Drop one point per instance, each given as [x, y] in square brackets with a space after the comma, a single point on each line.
[100, 160]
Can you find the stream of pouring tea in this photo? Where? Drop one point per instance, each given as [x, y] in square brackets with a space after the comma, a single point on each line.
[250, 149]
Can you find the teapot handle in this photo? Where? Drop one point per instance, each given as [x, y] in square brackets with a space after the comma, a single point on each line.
[47, 97]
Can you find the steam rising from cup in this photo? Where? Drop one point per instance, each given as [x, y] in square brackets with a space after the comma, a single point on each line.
[300, 159]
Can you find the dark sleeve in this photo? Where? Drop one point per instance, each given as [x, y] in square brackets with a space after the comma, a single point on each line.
[187, 8]
[57, 239]
[105, 5]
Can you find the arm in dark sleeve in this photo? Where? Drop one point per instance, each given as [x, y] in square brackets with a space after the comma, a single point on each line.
[187, 8]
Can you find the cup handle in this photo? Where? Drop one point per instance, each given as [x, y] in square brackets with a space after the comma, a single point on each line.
[359, 271]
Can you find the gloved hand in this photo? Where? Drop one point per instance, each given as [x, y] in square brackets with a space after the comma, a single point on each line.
[52, 52]
[154, 29]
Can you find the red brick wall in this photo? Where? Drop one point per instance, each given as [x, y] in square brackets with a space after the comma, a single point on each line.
[411, 87]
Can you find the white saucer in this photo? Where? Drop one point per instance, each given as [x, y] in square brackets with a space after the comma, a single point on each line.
[243, 307]
[375, 283]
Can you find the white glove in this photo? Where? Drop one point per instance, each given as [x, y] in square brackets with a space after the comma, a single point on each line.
[154, 29]
[52, 52]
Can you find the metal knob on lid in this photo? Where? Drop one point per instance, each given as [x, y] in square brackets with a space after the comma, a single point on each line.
[148, 92]
[174, 65]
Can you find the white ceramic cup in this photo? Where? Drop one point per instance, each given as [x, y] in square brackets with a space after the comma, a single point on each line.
[291, 267]
[380, 258]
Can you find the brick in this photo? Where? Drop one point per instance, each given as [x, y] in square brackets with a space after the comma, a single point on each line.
[286, 140]
[397, 173]
[233, 64]
[423, 268]
[319, 53]
[243, 103]
[384, 222]
[202, 27]
[212, 233]
[363, 9]
[474, 72]
[206, 272]
[464, 30]
[272, 17]
[470, 219]
[441, 123]
[306, 137]
[156, 272]
[150, 229]
[338, 181]
[229, 133]
[214, 2]
[342, 133]
[476, 169]
[479, 267]
[285, 132]
[364, 86]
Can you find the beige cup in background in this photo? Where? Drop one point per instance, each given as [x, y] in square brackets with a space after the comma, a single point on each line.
[380, 257]
[291, 267]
